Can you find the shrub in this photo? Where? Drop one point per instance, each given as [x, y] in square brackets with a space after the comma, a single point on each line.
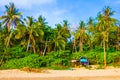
[31, 61]
[57, 59]
[54, 60]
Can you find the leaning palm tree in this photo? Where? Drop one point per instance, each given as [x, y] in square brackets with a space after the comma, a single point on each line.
[32, 31]
[10, 20]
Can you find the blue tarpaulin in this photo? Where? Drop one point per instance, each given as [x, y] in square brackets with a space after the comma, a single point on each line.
[83, 60]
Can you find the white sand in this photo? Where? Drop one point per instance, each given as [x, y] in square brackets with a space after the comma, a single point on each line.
[61, 73]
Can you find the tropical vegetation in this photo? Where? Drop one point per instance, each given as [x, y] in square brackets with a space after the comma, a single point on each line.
[30, 42]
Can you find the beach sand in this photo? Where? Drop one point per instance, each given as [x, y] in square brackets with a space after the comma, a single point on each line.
[77, 74]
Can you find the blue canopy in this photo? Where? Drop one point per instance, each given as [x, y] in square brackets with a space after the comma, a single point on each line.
[83, 59]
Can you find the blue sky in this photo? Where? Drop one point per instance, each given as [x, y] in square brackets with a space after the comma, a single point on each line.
[55, 11]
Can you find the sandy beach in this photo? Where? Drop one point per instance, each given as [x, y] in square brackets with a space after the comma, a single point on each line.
[77, 74]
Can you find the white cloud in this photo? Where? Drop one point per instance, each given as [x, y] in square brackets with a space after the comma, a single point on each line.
[53, 16]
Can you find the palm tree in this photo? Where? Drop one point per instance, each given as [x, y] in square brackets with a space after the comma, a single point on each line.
[65, 30]
[104, 27]
[41, 21]
[12, 16]
[44, 42]
[10, 19]
[117, 37]
[91, 32]
[58, 39]
[80, 35]
[33, 31]
[21, 34]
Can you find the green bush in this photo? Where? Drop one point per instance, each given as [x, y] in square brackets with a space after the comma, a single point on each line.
[57, 59]
[97, 57]
[60, 59]
[113, 57]
[54, 60]
[13, 53]
[17, 52]
[31, 61]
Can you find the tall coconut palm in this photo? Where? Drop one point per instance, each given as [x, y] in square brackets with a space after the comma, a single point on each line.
[58, 39]
[65, 30]
[105, 26]
[91, 31]
[33, 31]
[80, 35]
[44, 41]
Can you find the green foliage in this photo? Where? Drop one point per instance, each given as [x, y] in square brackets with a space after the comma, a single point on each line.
[15, 52]
[96, 57]
[60, 58]
[31, 61]
[113, 57]
[36, 36]
[76, 55]
[56, 60]
[1, 49]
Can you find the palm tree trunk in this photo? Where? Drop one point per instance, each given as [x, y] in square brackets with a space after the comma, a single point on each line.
[8, 41]
[104, 55]
[1, 61]
[49, 49]
[9, 25]
[101, 44]
[107, 42]
[73, 49]
[28, 44]
[34, 50]
[55, 47]
[91, 45]
[81, 45]
[45, 48]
